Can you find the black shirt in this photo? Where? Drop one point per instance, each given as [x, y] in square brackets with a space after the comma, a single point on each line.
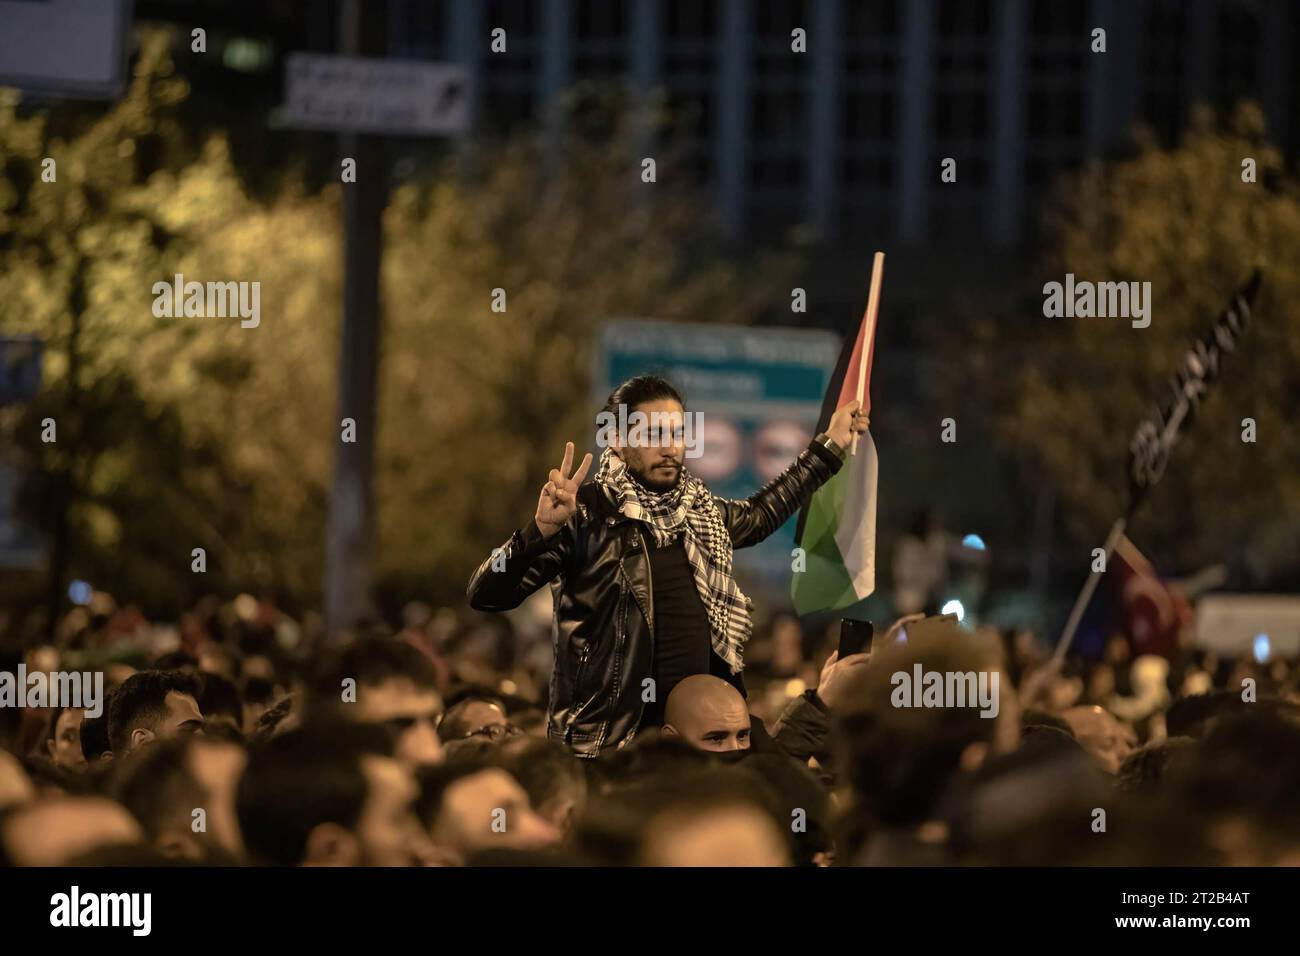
[682, 642]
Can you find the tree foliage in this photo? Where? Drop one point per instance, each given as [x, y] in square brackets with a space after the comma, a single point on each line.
[175, 433]
[1070, 391]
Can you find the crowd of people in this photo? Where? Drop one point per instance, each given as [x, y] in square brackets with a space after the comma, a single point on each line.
[242, 737]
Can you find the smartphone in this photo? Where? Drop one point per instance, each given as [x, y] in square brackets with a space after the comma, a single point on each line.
[933, 626]
[855, 637]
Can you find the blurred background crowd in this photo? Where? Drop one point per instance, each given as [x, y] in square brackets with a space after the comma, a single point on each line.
[238, 739]
[1170, 158]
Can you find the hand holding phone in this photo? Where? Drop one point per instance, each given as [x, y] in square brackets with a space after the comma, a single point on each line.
[855, 637]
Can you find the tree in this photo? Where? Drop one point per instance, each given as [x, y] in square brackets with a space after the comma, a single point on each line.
[1070, 392]
[182, 432]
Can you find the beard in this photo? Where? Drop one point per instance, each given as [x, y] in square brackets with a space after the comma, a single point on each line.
[658, 479]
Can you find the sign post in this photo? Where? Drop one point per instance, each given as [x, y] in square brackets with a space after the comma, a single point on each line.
[364, 99]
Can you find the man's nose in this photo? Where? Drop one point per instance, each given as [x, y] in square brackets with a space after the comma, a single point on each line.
[421, 744]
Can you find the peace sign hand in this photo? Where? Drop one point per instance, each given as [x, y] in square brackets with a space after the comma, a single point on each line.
[559, 498]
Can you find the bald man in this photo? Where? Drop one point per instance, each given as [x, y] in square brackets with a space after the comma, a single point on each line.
[708, 713]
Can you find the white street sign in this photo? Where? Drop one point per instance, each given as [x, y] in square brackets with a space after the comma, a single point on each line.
[65, 47]
[364, 95]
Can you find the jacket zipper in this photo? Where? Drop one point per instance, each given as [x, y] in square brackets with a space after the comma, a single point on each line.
[650, 603]
[577, 690]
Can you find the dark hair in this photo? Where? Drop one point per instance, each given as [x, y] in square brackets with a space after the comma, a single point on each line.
[641, 389]
[370, 661]
[219, 697]
[436, 781]
[1245, 767]
[176, 661]
[259, 690]
[897, 760]
[52, 731]
[651, 756]
[1147, 767]
[1033, 720]
[613, 830]
[1044, 741]
[142, 701]
[271, 719]
[794, 788]
[543, 767]
[1194, 716]
[301, 779]
[94, 731]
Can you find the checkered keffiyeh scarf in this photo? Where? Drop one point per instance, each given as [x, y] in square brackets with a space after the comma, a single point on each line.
[688, 508]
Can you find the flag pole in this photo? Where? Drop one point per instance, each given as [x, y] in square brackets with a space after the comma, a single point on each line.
[869, 323]
[1089, 586]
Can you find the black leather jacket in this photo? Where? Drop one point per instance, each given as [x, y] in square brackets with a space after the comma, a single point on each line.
[604, 616]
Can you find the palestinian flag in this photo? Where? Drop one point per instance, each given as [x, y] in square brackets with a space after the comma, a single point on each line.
[837, 528]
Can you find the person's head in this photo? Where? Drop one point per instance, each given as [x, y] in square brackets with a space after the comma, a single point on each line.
[219, 701]
[329, 795]
[386, 681]
[475, 716]
[63, 744]
[1148, 767]
[715, 817]
[1102, 735]
[1242, 779]
[174, 784]
[651, 756]
[470, 808]
[798, 797]
[551, 776]
[52, 832]
[708, 713]
[259, 696]
[1023, 808]
[1196, 715]
[787, 645]
[897, 757]
[655, 454]
[222, 660]
[153, 705]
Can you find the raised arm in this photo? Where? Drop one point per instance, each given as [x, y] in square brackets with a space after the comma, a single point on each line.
[536, 553]
[752, 519]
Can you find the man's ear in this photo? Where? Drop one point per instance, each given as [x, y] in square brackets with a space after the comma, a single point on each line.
[140, 736]
[668, 730]
[50, 745]
[329, 844]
